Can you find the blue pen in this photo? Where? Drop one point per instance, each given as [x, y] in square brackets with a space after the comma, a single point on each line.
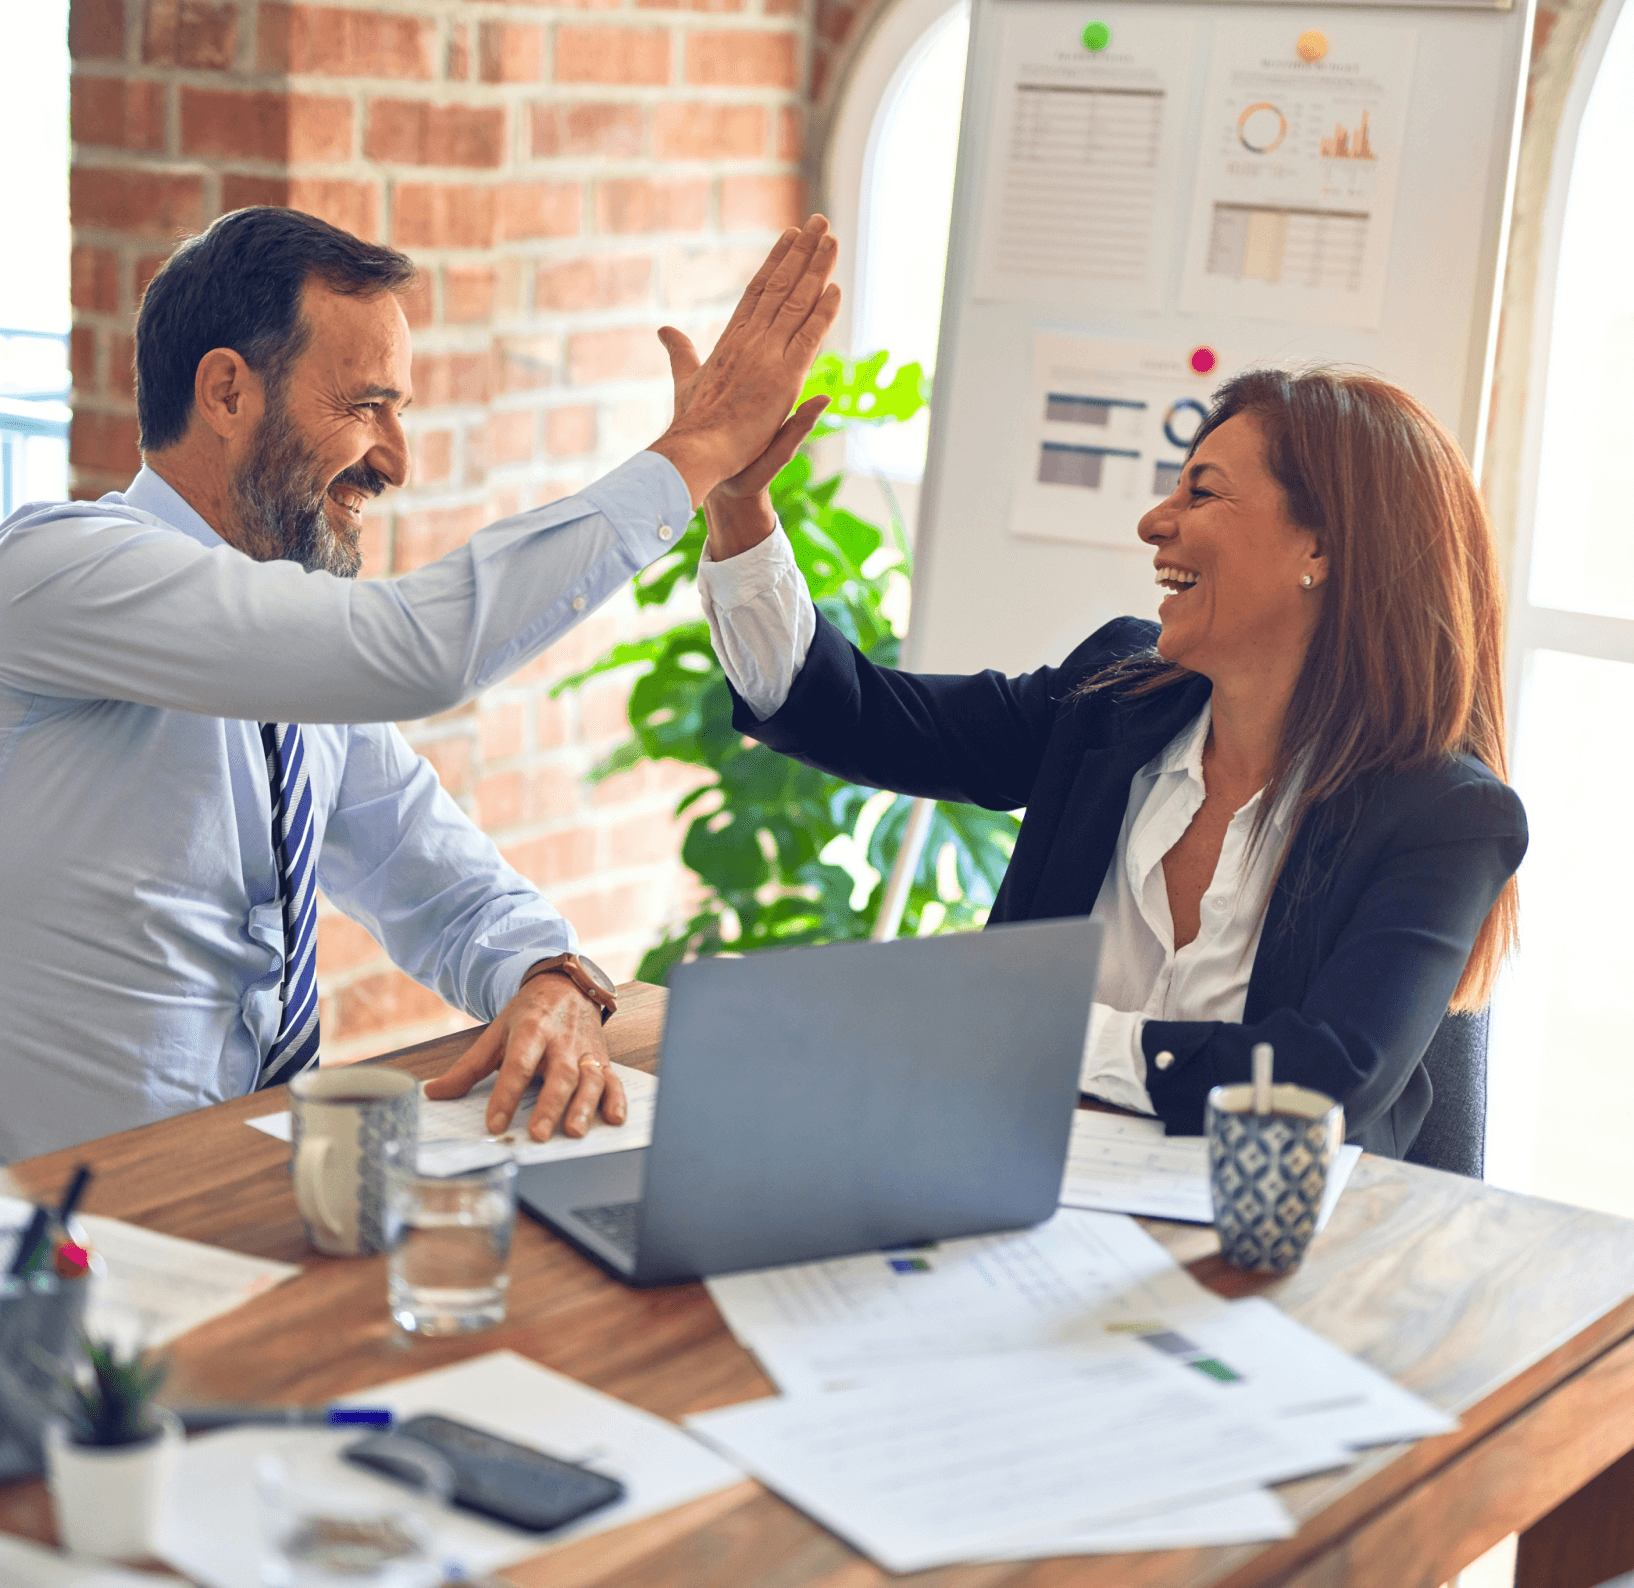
[200, 1419]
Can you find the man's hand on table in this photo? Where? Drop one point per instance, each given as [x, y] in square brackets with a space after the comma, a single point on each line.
[732, 409]
[549, 1027]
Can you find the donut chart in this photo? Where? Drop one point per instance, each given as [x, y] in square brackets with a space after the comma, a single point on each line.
[1261, 128]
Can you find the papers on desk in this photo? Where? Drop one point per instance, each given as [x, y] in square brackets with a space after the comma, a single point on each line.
[210, 1513]
[157, 1287]
[26, 1565]
[1121, 1164]
[455, 1133]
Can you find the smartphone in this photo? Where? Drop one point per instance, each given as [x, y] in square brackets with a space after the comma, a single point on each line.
[496, 1476]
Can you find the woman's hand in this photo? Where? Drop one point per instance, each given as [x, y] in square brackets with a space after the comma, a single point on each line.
[739, 510]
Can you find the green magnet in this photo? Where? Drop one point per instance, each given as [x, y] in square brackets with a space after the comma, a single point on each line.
[1097, 36]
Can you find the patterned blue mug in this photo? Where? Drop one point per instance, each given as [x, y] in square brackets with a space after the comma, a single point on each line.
[343, 1120]
[1269, 1172]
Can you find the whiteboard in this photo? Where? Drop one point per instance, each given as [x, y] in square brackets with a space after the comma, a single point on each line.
[1418, 307]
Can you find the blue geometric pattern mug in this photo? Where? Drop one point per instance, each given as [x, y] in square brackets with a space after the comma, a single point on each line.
[344, 1121]
[1269, 1172]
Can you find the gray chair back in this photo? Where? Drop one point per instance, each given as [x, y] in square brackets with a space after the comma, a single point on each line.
[1453, 1136]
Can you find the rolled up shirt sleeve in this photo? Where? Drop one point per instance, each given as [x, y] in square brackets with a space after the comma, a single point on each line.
[102, 602]
[761, 620]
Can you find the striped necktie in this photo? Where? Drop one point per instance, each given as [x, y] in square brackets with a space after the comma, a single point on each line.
[296, 1047]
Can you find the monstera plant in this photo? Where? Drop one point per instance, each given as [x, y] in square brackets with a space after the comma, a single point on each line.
[787, 854]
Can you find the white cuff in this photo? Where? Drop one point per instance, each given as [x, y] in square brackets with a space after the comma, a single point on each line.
[1114, 1067]
[761, 619]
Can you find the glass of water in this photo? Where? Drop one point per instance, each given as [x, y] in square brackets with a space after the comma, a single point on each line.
[450, 1231]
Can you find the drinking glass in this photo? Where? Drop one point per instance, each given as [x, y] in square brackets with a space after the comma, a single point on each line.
[450, 1240]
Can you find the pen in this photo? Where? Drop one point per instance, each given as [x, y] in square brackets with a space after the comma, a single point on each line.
[200, 1419]
[70, 1197]
[28, 1241]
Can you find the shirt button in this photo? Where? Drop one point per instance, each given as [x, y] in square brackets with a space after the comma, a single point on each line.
[665, 532]
[578, 603]
[1164, 1059]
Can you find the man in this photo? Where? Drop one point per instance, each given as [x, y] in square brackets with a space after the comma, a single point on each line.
[195, 694]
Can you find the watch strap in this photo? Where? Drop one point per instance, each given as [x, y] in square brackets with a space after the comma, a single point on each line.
[587, 976]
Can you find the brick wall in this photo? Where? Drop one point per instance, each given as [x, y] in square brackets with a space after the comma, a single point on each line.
[569, 177]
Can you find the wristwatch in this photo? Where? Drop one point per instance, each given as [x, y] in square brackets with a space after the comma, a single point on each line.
[585, 974]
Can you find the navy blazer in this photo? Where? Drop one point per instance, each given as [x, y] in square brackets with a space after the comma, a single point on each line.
[1368, 928]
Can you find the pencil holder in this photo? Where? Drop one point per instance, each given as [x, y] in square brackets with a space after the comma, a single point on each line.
[40, 1322]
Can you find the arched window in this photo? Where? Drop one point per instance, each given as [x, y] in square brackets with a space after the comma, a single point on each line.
[890, 183]
[1563, 1086]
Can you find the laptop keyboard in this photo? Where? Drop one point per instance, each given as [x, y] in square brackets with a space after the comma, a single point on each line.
[615, 1222]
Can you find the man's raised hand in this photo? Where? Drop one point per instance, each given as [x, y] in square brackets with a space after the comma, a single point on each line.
[732, 407]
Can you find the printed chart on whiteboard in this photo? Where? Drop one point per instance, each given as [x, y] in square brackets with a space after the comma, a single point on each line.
[1083, 150]
[1108, 425]
[1296, 187]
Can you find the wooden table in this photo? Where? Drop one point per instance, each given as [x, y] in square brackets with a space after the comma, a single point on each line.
[1514, 1313]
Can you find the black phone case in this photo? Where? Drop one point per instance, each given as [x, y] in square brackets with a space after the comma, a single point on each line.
[497, 1477]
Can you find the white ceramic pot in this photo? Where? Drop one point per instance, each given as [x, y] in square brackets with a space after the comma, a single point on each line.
[106, 1500]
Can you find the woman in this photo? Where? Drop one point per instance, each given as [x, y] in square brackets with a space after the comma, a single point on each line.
[1285, 804]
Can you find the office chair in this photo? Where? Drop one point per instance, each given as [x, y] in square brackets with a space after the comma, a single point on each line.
[1453, 1136]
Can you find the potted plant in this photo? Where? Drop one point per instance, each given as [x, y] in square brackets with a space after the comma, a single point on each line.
[109, 1453]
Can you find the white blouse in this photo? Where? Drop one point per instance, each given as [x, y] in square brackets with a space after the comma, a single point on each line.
[762, 621]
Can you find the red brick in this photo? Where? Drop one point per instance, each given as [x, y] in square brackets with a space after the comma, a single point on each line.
[442, 215]
[96, 30]
[82, 359]
[266, 126]
[343, 944]
[610, 912]
[612, 55]
[741, 58]
[526, 363]
[411, 132]
[104, 442]
[459, 54]
[640, 204]
[625, 788]
[470, 377]
[606, 281]
[468, 294]
[503, 504]
[550, 723]
[510, 52]
[643, 841]
[147, 267]
[141, 202]
[510, 438]
[425, 536]
[93, 279]
[781, 8]
[122, 366]
[507, 799]
[433, 457]
[118, 114]
[691, 5]
[570, 432]
[707, 275]
[190, 33]
[353, 206]
[450, 755]
[538, 209]
[610, 130]
[604, 710]
[709, 132]
[556, 857]
[375, 1003]
[500, 729]
[791, 134]
[329, 41]
[626, 353]
[416, 301]
[761, 203]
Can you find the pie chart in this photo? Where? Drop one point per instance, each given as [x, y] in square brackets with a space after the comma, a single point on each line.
[1261, 128]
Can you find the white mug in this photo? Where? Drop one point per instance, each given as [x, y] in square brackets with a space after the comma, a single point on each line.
[342, 1121]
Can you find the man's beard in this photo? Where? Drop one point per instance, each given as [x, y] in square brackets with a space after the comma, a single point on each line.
[278, 501]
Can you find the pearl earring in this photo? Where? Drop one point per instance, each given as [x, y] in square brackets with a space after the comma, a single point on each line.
[1307, 581]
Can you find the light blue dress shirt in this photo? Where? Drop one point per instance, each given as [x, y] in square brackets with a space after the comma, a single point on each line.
[141, 937]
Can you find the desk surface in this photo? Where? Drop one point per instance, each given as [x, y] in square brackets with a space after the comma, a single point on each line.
[1514, 1313]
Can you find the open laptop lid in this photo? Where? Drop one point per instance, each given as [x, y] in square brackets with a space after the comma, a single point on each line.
[817, 1101]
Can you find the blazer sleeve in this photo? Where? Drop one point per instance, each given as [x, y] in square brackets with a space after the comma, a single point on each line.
[1373, 1004]
[977, 738]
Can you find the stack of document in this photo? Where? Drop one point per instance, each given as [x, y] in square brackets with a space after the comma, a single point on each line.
[1062, 1390]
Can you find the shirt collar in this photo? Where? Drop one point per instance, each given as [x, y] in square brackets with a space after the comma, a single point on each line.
[151, 493]
[1184, 755]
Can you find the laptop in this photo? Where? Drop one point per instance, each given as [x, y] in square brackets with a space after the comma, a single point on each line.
[814, 1102]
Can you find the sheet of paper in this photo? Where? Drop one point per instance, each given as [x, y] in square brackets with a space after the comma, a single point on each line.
[1082, 151]
[27, 1565]
[157, 1287]
[454, 1131]
[1296, 188]
[1160, 1177]
[1007, 1453]
[1254, 1516]
[211, 1516]
[820, 1326]
[1105, 432]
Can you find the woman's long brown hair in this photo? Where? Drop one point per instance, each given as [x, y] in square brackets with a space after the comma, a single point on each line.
[1405, 667]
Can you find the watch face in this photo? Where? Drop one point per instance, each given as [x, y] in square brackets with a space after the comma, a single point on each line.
[598, 975]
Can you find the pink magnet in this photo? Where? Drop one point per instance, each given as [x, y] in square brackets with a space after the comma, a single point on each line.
[1203, 359]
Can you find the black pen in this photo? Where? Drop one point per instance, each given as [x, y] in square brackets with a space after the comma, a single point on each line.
[70, 1197]
[200, 1419]
[28, 1242]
